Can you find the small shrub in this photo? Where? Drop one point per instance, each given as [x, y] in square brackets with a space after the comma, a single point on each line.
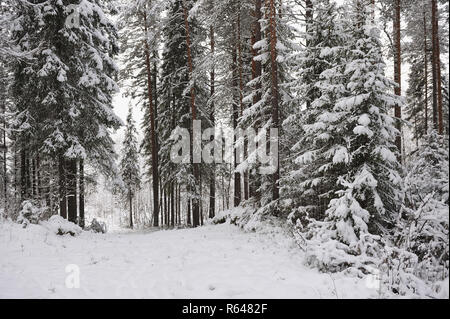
[97, 227]
[60, 226]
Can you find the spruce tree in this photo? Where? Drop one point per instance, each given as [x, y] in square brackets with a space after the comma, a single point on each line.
[64, 97]
[368, 194]
[424, 223]
[129, 165]
[318, 157]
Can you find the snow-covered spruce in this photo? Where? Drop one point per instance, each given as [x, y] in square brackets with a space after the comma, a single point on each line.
[423, 227]
[319, 155]
[129, 165]
[368, 190]
[63, 95]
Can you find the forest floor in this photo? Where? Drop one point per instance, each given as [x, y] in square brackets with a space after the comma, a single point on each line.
[216, 261]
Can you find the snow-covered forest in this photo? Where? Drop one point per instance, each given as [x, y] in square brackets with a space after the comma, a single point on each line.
[224, 149]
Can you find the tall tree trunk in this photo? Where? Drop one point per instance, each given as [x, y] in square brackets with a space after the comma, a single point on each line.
[241, 95]
[38, 175]
[188, 213]
[33, 178]
[72, 190]
[165, 218]
[81, 195]
[274, 91]
[5, 168]
[212, 183]
[425, 63]
[237, 175]
[195, 168]
[155, 177]
[62, 187]
[28, 176]
[308, 25]
[437, 62]
[398, 73]
[16, 173]
[172, 203]
[130, 201]
[256, 74]
[178, 204]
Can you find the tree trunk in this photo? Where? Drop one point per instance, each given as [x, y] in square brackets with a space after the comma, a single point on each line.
[274, 86]
[309, 21]
[62, 187]
[212, 183]
[5, 169]
[38, 176]
[72, 190]
[178, 204]
[437, 67]
[172, 203]
[195, 168]
[33, 179]
[237, 175]
[398, 74]
[188, 213]
[81, 196]
[130, 199]
[155, 177]
[256, 74]
[28, 176]
[425, 63]
[16, 173]
[241, 96]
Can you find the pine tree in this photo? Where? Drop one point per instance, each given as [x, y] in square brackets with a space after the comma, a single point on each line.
[436, 67]
[129, 165]
[268, 93]
[181, 91]
[141, 36]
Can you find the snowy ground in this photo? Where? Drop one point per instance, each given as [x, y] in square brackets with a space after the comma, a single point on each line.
[208, 262]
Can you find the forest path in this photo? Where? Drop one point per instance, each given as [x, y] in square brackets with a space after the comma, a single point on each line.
[208, 262]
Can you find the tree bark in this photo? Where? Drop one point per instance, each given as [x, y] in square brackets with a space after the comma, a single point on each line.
[195, 168]
[309, 21]
[38, 176]
[398, 74]
[28, 176]
[23, 175]
[5, 169]
[33, 178]
[425, 63]
[81, 195]
[274, 87]
[241, 96]
[155, 173]
[72, 190]
[235, 84]
[437, 62]
[172, 204]
[256, 74]
[62, 188]
[212, 183]
[130, 199]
